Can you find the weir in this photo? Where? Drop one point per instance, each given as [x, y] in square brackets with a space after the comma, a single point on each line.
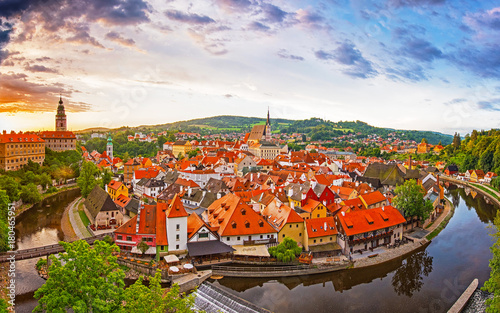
[210, 298]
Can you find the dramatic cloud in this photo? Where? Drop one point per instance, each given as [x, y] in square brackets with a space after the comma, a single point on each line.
[483, 61]
[273, 13]
[348, 55]
[40, 68]
[116, 37]
[190, 18]
[421, 50]
[489, 19]
[257, 26]
[285, 55]
[20, 95]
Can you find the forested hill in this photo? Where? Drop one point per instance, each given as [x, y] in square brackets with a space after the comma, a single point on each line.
[316, 128]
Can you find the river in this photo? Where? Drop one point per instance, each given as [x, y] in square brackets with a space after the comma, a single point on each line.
[429, 280]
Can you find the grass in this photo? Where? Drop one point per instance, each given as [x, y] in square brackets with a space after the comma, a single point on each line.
[487, 190]
[84, 218]
[443, 224]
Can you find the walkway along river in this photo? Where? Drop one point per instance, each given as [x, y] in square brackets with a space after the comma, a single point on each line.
[428, 280]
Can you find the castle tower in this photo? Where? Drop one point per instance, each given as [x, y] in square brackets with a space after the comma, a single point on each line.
[268, 127]
[61, 117]
[109, 147]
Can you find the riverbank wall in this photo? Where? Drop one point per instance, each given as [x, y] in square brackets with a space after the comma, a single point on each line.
[468, 184]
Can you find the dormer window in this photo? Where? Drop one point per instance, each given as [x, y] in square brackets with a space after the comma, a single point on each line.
[261, 223]
[247, 224]
[243, 212]
[233, 224]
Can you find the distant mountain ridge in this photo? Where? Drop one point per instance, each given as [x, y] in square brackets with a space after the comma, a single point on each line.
[316, 128]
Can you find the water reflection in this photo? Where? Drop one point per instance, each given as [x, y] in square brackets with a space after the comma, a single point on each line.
[485, 211]
[408, 278]
[41, 225]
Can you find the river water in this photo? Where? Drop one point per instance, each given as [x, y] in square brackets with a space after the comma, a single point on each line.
[429, 280]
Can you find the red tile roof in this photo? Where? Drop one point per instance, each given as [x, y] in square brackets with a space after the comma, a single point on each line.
[382, 218]
[20, 137]
[373, 197]
[113, 184]
[176, 208]
[320, 227]
[57, 134]
[233, 217]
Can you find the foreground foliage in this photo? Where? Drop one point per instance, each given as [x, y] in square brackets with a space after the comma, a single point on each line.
[89, 279]
[493, 284]
[410, 200]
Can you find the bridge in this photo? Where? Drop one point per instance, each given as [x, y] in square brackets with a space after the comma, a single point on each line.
[42, 251]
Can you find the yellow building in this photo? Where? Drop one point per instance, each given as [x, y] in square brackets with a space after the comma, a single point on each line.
[286, 221]
[116, 188]
[59, 140]
[182, 147]
[321, 235]
[313, 209]
[17, 149]
[129, 168]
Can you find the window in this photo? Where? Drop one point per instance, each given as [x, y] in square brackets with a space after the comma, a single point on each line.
[300, 234]
[129, 238]
[318, 215]
[227, 239]
[203, 235]
[290, 225]
[238, 238]
[321, 240]
[261, 236]
[296, 225]
[283, 235]
[177, 227]
[314, 240]
[119, 237]
[176, 247]
[177, 237]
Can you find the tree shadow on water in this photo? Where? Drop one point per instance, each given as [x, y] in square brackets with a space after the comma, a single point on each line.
[408, 278]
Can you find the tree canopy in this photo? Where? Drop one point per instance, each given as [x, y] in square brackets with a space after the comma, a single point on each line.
[286, 251]
[410, 201]
[87, 179]
[83, 279]
[493, 283]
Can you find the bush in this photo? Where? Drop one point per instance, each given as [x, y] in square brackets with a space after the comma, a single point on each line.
[51, 189]
[285, 251]
[40, 263]
[107, 239]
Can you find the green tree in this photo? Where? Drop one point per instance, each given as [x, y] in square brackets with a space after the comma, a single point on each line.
[493, 283]
[142, 246]
[44, 180]
[83, 279]
[30, 194]
[11, 186]
[456, 142]
[424, 140]
[141, 299]
[286, 251]
[87, 181]
[4, 230]
[106, 177]
[410, 201]
[28, 177]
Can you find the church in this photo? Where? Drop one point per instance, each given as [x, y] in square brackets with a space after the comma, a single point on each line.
[260, 132]
[61, 139]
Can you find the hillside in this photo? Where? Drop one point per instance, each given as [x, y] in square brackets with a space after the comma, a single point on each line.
[316, 128]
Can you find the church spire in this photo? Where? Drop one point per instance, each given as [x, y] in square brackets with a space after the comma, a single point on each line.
[267, 123]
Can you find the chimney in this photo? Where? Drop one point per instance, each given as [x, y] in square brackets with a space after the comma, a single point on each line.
[324, 227]
[303, 196]
[437, 180]
[218, 195]
[324, 202]
[409, 166]
[292, 205]
[383, 208]
[290, 192]
[4, 132]
[343, 213]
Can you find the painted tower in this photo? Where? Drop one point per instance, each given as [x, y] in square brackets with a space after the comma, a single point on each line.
[109, 147]
[268, 127]
[61, 117]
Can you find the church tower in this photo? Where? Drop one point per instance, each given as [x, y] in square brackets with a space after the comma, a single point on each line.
[268, 127]
[109, 147]
[61, 117]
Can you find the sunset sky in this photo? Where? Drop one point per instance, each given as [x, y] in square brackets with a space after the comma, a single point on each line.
[406, 64]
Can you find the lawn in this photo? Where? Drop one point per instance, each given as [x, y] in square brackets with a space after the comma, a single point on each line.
[84, 218]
